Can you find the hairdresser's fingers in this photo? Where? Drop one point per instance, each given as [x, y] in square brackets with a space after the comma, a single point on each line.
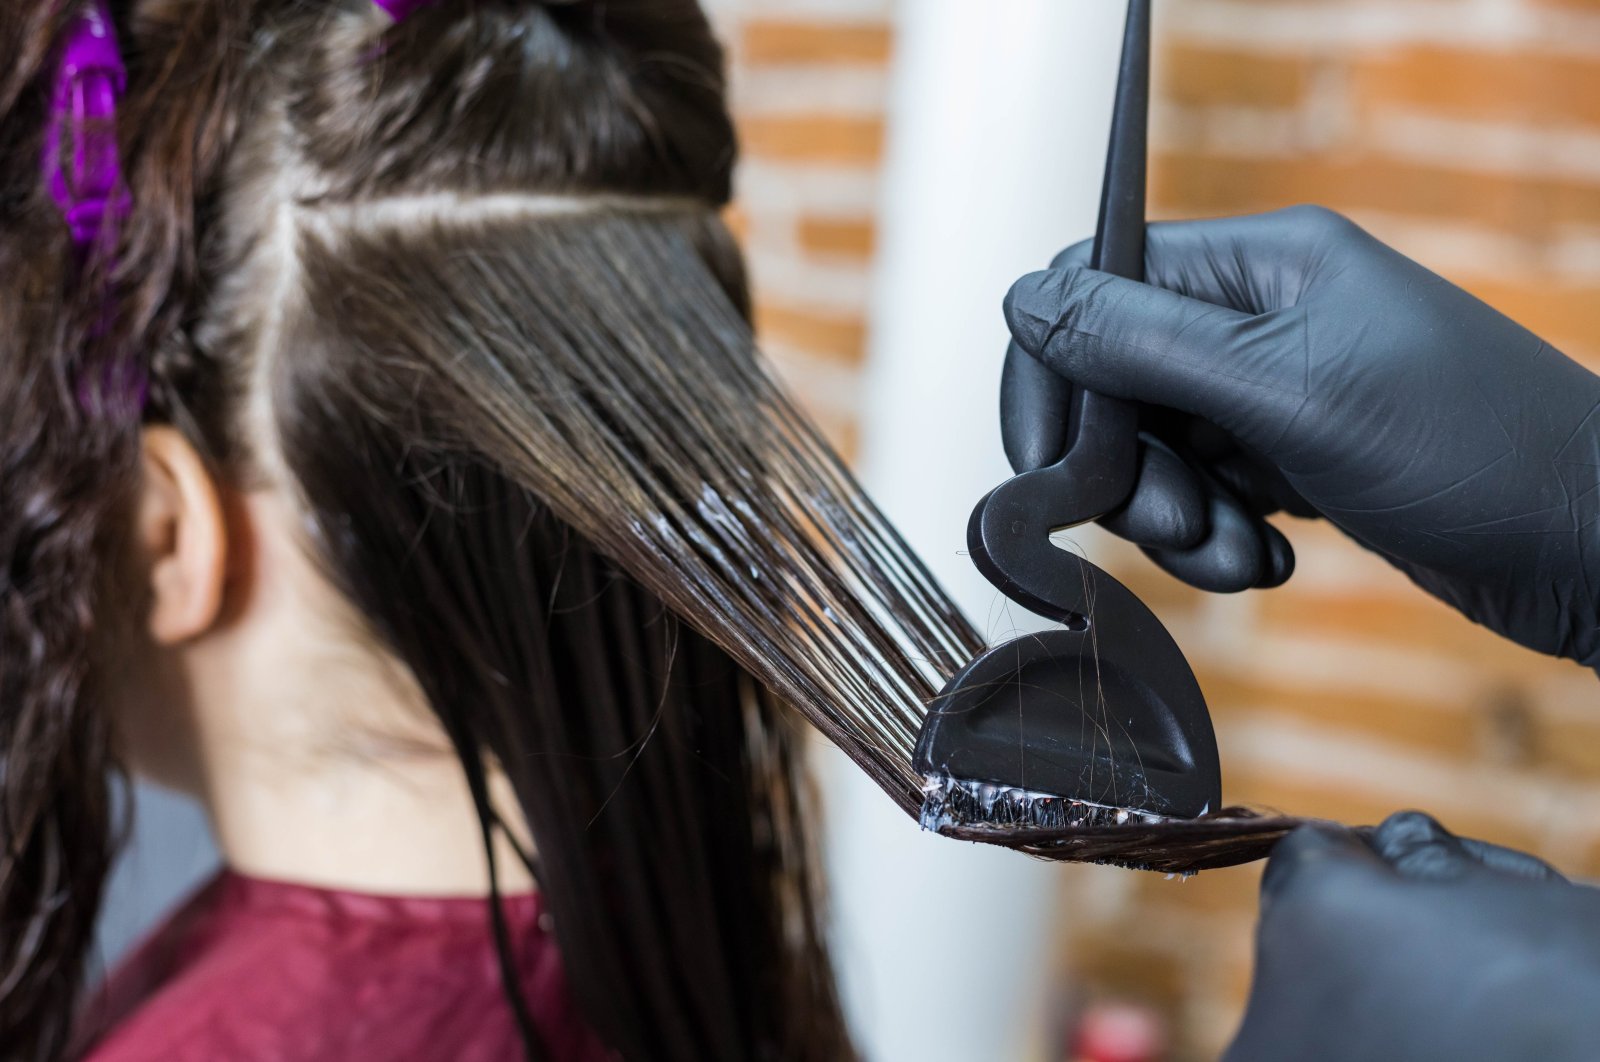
[1245, 263]
[1034, 401]
[1311, 855]
[1312, 945]
[1232, 557]
[1168, 508]
[1280, 556]
[1033, 411]
[1259, 486]
[1511, 861]
[1255, 263]
[1419, 848]
[1244, 373]
[1257, 489]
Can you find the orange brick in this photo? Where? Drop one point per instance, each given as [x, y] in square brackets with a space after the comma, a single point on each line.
[1558, 312]
[1408, 620]
[832, 337]
[1279, 792]
[1520, 86]
[1233, 955]
[813, 138]
[1233, 985]
[1132, 970]
[1587, 865]
[1186, 183]
[853, 238]
[843, 433]
[1200, 76]
[737, 218]
[1165, 594]
[1298, 795]
[1415, 723]
[1231, 890]
[777, 41]
[1585, 354]
[1568, 746]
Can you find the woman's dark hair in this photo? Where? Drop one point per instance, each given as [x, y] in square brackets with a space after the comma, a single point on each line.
[435, 277]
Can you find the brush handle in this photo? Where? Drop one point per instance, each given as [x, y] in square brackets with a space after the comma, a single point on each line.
[1103, 431]
[1009, 533]
[1119, 234]
[1096, 472]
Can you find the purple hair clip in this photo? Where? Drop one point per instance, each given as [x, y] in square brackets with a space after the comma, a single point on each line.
[87, 184]
[400, 10]
[89, 82]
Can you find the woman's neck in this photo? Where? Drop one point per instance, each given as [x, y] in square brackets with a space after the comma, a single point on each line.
[392, 821]
[317, 754]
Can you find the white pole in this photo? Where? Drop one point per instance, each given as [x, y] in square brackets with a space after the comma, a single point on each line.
[999, 114]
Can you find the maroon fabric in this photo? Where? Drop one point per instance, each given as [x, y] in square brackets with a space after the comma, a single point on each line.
[264, 971]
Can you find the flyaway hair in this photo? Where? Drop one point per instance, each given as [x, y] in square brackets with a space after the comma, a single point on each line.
[461, 282]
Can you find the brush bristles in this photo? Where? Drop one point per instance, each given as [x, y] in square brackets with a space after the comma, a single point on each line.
[959, 802]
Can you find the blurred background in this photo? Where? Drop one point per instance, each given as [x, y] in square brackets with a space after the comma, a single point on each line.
[903, 162]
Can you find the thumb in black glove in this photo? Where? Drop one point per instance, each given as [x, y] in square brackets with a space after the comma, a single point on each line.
[1416, 944]
[1291, 362]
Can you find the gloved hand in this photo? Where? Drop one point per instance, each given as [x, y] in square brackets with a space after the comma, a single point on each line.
[1290, 361]
[1419, 946]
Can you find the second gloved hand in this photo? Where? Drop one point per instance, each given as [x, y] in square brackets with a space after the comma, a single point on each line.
[1416, 944]
[1290, 361]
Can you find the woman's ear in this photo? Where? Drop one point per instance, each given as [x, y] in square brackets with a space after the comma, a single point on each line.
[183, 538]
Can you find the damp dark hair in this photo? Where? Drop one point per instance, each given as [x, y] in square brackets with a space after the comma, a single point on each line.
[339, 221]
[461, 282]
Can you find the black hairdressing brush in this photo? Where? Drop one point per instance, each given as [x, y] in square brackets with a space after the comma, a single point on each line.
[1102, 723]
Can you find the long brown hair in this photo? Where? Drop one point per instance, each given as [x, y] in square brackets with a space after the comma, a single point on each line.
[473, 388]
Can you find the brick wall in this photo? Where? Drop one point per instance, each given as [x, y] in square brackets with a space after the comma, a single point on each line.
[1466, 133]
[809, 81]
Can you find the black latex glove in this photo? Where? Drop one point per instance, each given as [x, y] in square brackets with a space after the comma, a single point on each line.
[1419, 946]
[1289, 361]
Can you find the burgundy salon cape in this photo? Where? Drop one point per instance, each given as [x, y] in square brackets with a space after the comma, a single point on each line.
[252, 970]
